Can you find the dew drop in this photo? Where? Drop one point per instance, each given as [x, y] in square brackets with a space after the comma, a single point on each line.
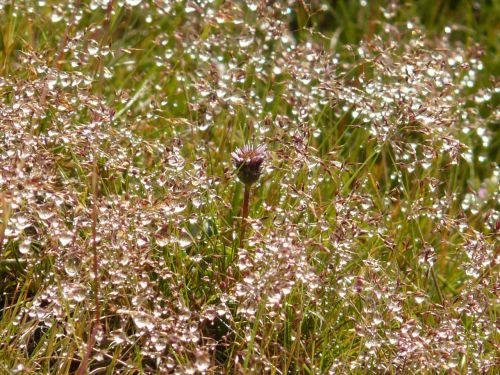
[124, 260]
[245, 42]
[29, 91]
[65, 239]
[54, 17]
[143, 321]
[24, 247]
[179, 208]
[70, 268]
[93, 49]
[75, 292]
[162, 242]
[184, 241]
[118, 337]
[45, 215]
[160, 345]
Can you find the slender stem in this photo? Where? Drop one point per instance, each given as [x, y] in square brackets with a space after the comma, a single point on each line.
[95, 271]
[244, 215]
[5, 218]
[436, 284]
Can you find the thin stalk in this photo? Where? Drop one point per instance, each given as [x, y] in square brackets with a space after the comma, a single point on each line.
[244, 214]
[95, 270]
[436, 285]
[5, 219]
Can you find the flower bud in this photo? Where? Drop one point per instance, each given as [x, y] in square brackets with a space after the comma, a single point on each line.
[248, 162]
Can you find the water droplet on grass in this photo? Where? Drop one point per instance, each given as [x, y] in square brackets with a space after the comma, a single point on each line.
[133, 2]
[24, 247]
[65, 239]
[185, 241]
[245, 42]
[143, 321]
[75, 292]
[118, 337]
[71, 268]
[93, 49]
[55, 17]
[45, 215]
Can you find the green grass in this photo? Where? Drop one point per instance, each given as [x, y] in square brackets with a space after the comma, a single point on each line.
[372, 242]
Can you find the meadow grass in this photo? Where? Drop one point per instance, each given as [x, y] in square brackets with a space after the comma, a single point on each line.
[371, 242]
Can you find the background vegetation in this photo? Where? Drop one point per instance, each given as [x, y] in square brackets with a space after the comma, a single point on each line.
[372, 243]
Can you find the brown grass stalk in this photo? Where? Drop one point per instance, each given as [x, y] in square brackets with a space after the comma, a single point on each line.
[95, 270]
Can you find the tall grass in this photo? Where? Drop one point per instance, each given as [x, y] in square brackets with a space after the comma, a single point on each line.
[371, 238]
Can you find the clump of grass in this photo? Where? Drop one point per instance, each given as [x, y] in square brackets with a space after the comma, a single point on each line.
[373, 241]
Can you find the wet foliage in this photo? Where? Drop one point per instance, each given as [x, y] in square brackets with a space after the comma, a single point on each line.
[372, 239]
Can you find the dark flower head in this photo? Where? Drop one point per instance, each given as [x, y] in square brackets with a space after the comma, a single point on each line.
[248, 163]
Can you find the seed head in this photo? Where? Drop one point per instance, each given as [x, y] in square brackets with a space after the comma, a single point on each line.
[248, 162]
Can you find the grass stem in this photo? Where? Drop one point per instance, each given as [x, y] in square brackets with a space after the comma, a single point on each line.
[244, 215]
[95, 270]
